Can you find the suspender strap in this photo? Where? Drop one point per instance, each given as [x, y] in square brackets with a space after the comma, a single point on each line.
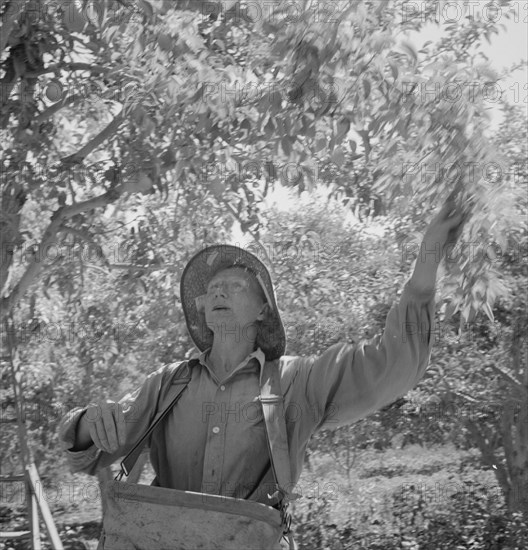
[174, 393]
[273, 410]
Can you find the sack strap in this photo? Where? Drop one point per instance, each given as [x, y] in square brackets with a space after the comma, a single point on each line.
[273, 409]
[178, 384]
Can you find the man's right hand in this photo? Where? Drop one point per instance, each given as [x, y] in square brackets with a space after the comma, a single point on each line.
[102, 424]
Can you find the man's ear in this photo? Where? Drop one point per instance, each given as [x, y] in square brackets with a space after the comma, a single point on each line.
[263, 312]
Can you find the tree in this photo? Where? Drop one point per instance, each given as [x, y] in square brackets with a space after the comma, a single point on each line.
[478, 377]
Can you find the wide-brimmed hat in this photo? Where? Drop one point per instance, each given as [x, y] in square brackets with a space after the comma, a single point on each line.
[201, 269]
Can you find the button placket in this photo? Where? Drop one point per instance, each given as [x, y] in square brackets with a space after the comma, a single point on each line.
[215, 446]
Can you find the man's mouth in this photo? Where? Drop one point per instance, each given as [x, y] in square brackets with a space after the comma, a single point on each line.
[216, 308]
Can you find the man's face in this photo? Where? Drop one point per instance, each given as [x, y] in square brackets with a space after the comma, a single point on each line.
[234, 301]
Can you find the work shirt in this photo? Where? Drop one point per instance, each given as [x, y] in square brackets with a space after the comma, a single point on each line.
[214, 439]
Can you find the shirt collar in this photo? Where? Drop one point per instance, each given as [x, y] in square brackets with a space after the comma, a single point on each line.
[258, 354]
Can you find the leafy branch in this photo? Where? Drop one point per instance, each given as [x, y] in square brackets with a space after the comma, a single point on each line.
[34, 268]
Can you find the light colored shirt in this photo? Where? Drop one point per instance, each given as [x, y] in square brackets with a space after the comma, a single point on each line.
[214, 439]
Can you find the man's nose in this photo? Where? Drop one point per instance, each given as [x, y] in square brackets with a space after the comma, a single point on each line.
[221, 289]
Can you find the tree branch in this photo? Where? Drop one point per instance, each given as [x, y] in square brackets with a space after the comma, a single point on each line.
[97, 140]
[34, 268]
[234, 213]
[488, 454]
[70, 67]
[9, 19]
[50, 111]
[132, 267]
[509, 379]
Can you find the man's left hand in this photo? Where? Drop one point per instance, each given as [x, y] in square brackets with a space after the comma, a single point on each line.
[442, 233]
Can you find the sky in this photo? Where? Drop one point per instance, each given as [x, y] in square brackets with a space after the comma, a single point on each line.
[507, 48]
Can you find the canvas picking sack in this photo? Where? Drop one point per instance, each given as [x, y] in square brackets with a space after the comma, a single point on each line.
[144, 517]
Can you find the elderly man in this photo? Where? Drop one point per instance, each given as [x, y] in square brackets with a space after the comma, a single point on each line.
[220, 436]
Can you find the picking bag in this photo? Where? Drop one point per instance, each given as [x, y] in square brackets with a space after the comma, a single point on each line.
[145, 517]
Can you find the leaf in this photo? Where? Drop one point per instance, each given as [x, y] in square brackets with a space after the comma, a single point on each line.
[406, 47]
[139, 183]
[366, 87]
[343, 127]
[180, 165]
[73, 19]
[320, 144]
[246, 125]
[338, 156]
[394, 69]
[449, 311]
[286, 145]
[309, 128]
[165, 42]
[489, 312]
[269, 128]
[217, 187]
[148, 125]
[138, 115]
[147, 8]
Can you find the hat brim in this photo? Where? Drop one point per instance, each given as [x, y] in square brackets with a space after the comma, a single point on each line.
[196, 276]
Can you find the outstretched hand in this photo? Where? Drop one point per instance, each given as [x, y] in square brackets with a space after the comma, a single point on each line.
[441, 235]
[444, 230]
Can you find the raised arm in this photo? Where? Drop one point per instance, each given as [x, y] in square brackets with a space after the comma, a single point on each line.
[348, 382]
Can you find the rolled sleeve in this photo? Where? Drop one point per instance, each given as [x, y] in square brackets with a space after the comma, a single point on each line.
[139, 408]
[347, 382]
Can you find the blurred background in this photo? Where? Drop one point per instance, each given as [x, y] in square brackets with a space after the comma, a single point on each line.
[321, 136]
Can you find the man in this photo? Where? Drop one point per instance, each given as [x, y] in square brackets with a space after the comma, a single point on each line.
[214, 439]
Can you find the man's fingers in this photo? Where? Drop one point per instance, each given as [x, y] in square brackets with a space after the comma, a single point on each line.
[107, 426]
[109, 423]
[98, 436]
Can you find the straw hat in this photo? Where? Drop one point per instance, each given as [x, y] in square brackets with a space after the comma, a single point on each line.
[195, 278]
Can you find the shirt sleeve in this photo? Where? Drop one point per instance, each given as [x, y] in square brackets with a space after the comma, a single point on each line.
[347, 382]
[139, 409]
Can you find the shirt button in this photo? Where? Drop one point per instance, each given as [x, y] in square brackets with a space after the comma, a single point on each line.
[222, 388]
[216, 430]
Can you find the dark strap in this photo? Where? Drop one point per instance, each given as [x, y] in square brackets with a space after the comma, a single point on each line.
[273, 409]
[177, 386]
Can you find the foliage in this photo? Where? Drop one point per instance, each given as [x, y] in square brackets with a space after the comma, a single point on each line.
[448, 509]
[135, 98]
